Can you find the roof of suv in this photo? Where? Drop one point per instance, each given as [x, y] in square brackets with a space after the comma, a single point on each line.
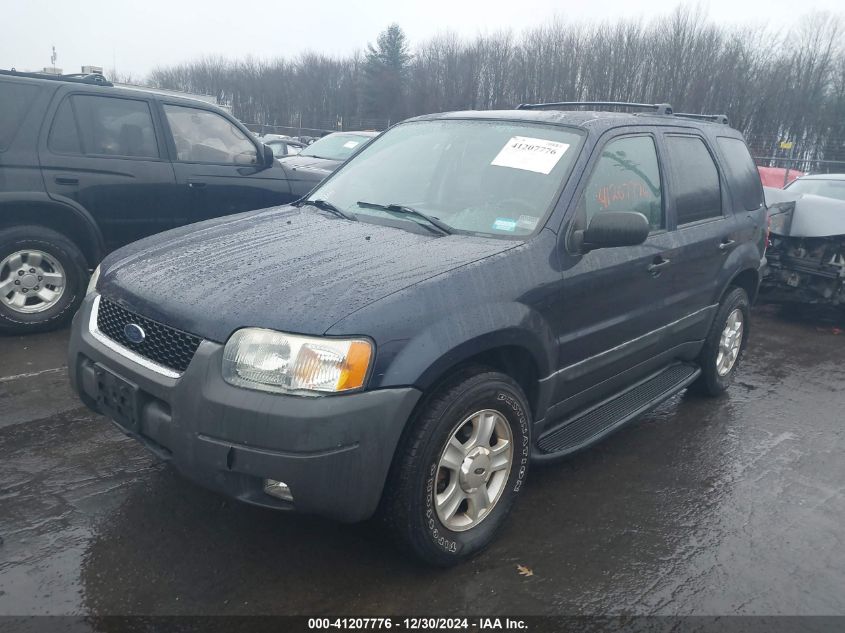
[98, 83]
[587, 119]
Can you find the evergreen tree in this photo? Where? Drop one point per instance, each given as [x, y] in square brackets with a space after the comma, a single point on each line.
[385, 75]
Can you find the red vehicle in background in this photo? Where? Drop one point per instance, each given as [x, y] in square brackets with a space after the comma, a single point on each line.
[778, 177]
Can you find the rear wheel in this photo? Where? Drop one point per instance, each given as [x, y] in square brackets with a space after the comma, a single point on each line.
[460, 468]
[42, 279]
[725, 344]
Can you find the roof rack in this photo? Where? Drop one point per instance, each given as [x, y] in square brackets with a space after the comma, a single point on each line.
[715, 118]
[659, 108]
[93, 78]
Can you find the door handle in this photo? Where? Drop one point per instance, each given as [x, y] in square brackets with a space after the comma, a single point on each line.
[726, 244]
[66, 180]
[196, 184]
[659, 264]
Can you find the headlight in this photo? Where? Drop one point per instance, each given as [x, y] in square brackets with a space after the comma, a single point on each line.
[92, 283]
[273, 361]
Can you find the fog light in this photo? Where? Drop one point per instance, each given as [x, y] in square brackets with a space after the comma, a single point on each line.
[278, 489]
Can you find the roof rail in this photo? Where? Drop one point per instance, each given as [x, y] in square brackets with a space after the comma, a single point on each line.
[715, 118]
[93, 78]
[659, 108]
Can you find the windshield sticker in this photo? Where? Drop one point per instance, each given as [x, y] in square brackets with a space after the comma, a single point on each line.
[504, 224]
[527, 222]
[351, 144]
[530, 154]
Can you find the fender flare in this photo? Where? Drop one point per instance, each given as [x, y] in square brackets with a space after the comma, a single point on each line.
[63, 205]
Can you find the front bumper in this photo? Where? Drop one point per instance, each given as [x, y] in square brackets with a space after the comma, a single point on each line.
[333, 452]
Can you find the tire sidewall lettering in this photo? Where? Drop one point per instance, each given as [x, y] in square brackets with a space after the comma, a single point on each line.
[439, 535]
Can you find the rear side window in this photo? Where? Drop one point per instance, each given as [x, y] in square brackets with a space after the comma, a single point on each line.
[741, 173]
[698, 195]
[15, 101]
[64, 135]
[626, 178]
[110, 126]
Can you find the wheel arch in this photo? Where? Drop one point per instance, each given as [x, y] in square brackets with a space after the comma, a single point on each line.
[39, 210]
[747, 279]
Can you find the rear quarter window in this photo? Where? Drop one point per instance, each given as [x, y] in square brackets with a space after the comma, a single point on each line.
[15, 101]
[741, 173]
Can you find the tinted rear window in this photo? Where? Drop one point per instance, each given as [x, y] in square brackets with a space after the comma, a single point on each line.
[64, 136]
[698, 195]
[113, 126]
[15, 101]
[741, 173]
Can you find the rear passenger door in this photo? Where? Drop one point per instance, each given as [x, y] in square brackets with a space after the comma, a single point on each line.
[704, 232]
[105, 153]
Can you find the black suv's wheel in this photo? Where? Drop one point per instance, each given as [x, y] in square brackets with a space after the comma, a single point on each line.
[42, 279]
[460, 468]
[725, 344]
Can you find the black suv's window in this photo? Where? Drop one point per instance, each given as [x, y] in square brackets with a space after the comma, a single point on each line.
[15, 100]
[104, 126]
[741, 173]
[698, 195]
[64, 135]
[206, 137]
[626, 178]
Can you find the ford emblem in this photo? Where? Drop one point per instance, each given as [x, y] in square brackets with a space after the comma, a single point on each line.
[134, 333]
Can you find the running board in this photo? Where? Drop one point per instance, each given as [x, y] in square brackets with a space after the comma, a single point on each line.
[593, 424]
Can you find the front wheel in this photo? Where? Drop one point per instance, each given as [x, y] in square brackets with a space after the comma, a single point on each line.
[461, 467]
[725, 344]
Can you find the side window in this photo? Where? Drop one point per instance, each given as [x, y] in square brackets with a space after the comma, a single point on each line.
[15, 101]
[698, 195]
[626, 178]
[206, 137]
[64, 135]
[741, 173]
[111, 126]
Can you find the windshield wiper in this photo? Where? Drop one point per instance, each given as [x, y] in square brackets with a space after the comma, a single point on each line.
[325, 205]
[441, 226]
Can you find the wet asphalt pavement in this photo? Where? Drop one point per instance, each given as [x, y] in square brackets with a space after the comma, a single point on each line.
[727, 506]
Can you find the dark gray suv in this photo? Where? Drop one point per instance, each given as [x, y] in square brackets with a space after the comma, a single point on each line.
[471, 293]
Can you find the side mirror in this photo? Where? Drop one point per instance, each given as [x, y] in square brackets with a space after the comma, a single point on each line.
[267, 157]
[608, 230]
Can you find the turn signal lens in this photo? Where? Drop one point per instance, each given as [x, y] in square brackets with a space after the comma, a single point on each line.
[354, 370]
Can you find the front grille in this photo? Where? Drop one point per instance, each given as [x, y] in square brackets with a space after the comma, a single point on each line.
[162, 344]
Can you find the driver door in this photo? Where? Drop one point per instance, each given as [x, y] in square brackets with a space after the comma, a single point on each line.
[616, 302]
[216, 164]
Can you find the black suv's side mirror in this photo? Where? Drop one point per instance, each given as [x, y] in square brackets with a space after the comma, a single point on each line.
[607, 230]
[267, 158]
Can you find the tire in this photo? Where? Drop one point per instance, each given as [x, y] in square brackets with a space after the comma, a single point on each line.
[712, 382]
[409, 506]
[62, 258]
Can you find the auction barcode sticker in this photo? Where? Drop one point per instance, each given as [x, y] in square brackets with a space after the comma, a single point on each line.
[531, 154]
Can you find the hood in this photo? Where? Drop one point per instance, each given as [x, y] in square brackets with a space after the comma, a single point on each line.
[811, 215]
[287, 268]
[311, 163]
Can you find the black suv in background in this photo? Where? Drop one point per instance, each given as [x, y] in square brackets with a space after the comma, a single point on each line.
[470, 293]
[86, 167]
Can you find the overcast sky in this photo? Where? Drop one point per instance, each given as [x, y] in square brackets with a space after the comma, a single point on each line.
[138, 36]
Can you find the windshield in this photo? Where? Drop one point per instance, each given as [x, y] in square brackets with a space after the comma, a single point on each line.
[488, 177]
[828, 188]
[336, 146]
